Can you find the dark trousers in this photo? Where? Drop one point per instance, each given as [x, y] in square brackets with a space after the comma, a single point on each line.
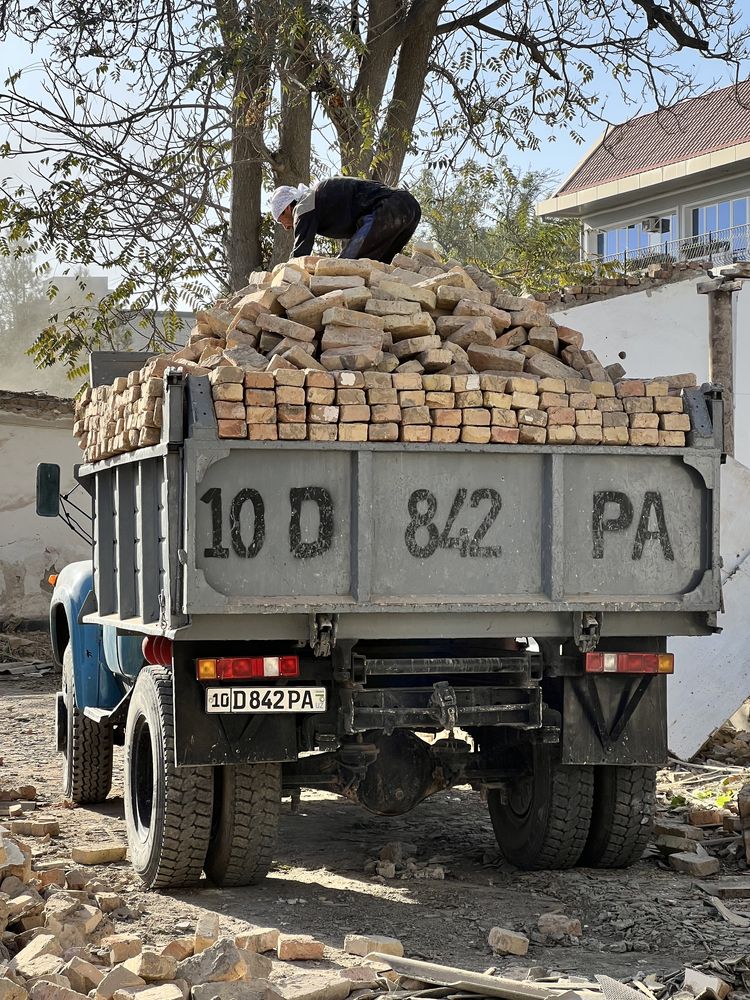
[386, 231]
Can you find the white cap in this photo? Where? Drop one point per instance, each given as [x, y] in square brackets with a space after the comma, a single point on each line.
[284, 196]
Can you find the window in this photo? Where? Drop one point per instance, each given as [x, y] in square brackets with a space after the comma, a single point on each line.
[636, 239]
[719, 216]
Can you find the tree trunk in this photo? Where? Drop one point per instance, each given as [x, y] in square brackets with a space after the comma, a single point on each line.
[244, 248]
[291, 164]
[408, 89]
[249, 36]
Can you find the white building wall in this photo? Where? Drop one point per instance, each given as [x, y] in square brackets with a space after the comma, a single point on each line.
[32, 547]
[663, 203]
[663, 331]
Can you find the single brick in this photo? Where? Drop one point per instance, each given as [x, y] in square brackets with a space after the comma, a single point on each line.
[615, 435]
[383, 432]
[532, 435]
[446, 418]
[473, 434]
[504, 435]
[475, 417]
[674, 422]
[561, 434]
[524, 401]
[445, 435]
[260, 397]
[353, 432]
[672, 439]
[560, 416]
[587, 434]
[640, 421]
[504, 418]
[592, 418]
[638, 404]
[323, 432]
[415, 432]
[630, 387]
[644, 437]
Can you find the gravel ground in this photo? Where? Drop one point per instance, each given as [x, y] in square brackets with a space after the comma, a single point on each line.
[646, 918]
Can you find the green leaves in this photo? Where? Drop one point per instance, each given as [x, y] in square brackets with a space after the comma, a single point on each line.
[486, 215]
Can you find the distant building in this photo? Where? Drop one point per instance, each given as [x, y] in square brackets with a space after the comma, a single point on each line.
[673, 184]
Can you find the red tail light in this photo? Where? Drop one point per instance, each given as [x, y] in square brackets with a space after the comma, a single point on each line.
[629, 663]
[230, 668]
[157, 649]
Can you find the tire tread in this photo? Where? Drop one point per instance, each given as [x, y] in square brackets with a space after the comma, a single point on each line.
[624, 804]
[242, 849]
[87, 776]
[182, 843]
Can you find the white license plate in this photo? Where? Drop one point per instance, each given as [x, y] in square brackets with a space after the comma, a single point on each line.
[265, 699]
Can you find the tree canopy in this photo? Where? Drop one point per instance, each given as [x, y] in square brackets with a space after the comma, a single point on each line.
[154, 125]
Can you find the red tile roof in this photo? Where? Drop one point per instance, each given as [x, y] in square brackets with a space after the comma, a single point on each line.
[691, 127]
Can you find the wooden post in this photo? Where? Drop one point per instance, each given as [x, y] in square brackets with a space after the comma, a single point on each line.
[721, 356]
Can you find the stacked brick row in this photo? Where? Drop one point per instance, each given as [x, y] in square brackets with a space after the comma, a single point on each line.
[418, 350]
[308, 405]
[112, 419]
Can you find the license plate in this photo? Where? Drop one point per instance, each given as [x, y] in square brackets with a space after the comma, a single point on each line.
[265, 699]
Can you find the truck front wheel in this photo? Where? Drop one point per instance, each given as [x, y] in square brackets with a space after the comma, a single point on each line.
[622, 818]
[86, 746]
[167, 808]
[545, 818]
[247, 800]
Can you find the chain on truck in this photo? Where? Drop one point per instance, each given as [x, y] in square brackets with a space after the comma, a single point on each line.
[380, 621]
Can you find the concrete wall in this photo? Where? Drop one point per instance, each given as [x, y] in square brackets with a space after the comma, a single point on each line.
[663, 331]
[33, 430]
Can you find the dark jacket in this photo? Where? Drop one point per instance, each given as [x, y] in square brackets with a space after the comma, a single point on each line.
[334, 208]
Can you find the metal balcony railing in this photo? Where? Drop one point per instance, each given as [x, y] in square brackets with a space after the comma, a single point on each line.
[722, 246]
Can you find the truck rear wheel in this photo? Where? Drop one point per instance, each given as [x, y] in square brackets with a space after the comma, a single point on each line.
[622, 818]
[545, 820]
[167, 808]
[247, 800]
[87, 747]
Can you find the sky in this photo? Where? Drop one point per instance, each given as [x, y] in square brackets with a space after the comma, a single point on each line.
[558, 152]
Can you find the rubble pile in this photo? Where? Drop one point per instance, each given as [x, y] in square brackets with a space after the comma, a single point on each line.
[420, 350]
[58, 941]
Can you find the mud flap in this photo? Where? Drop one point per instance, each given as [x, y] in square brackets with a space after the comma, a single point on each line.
[620, 719]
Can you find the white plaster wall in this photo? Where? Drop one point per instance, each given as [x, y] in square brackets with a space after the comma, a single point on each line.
[32, 547]
[663, 331]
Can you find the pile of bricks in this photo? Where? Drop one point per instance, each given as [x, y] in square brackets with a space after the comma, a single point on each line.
[305, 405]
[420, 350]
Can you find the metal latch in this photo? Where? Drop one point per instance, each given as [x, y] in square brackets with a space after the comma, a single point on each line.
[443, 705]
[587, 630]
[323, 634]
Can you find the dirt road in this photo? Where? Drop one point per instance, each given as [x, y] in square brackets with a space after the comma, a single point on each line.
[646, 918]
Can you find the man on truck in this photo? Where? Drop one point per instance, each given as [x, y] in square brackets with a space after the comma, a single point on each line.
[377, 221]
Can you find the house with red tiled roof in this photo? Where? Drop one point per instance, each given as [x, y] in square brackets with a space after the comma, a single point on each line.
[672, 184]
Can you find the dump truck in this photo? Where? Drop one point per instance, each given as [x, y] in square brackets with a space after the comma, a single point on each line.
[382, 621]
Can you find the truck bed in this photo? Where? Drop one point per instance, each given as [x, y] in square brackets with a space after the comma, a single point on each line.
[239, 538]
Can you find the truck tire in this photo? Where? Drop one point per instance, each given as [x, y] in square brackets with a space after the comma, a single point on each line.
[545, 821]
[87, 753]
[622, 818]
[167, 808]
[247, 801]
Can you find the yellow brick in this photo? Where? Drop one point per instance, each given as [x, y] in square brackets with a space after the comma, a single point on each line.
[475, 435]
[353, 432]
